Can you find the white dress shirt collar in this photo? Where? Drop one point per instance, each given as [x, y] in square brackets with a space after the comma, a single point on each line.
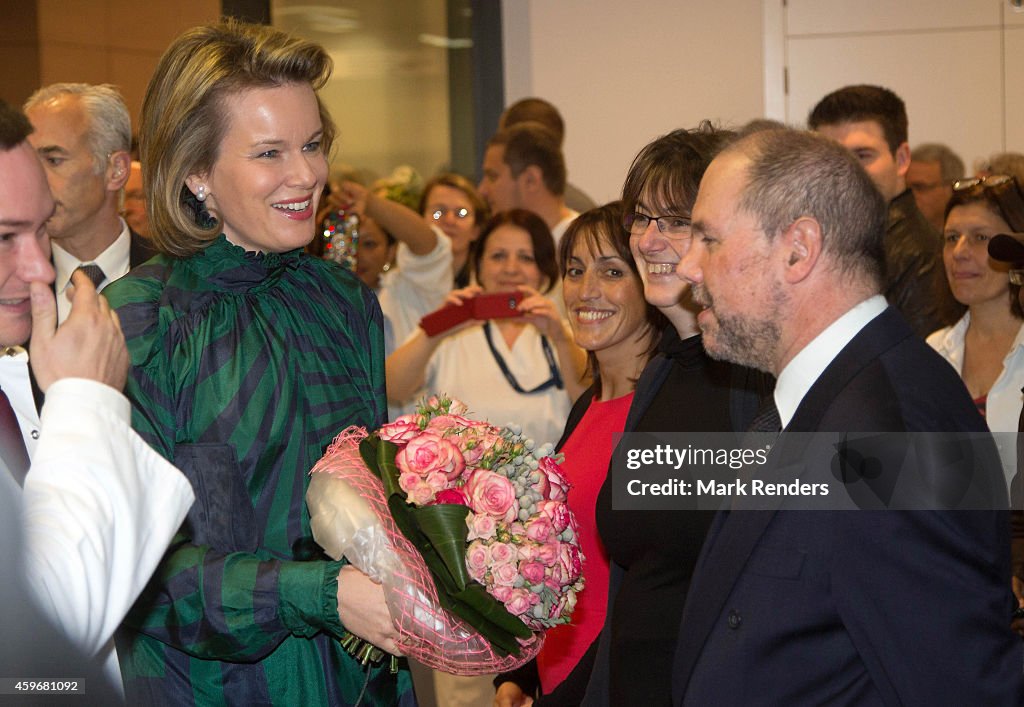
[114, 262]
[807, 366]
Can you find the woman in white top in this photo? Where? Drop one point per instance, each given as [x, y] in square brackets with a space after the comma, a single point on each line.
[987, 345]
[524, 369]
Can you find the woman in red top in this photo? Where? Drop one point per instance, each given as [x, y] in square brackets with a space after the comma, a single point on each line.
[604, 301]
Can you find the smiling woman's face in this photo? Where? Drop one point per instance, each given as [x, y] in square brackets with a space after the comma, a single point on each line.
[507, 261]
[973, 277]
[270, 170]
[603, 298]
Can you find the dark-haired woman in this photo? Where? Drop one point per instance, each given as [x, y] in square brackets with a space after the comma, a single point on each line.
[524, 369]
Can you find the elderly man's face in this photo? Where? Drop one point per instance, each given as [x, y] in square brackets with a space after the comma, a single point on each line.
[79, 185]
[730, 268]
[25, 206]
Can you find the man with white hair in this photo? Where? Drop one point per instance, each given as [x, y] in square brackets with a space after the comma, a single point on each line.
[83, 135]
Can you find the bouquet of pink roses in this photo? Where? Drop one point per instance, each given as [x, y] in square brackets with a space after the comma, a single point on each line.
[466, 527]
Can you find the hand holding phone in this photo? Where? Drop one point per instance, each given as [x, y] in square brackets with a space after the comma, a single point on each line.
[495, 305]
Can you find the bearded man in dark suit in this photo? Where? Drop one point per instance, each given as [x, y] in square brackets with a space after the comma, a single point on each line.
[848, 607]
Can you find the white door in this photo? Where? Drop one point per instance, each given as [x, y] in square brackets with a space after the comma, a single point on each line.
[956, 63]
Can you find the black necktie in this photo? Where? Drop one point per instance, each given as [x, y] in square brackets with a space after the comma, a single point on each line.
[94, 273]
[12, 444]
[767, 418]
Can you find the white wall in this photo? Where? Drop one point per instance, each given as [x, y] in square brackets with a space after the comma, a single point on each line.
[623, 73]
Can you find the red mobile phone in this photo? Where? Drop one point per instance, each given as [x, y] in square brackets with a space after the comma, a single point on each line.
[497, 305]
[446, 317]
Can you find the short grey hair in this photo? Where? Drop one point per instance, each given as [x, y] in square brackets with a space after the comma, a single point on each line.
[110, 125]
[792, 173]
[951, 167]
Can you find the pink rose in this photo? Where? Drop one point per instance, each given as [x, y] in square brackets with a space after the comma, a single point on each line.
[571, 560]
[553, 484]
[527, 552]
[516, 529]
[519, 601]
[492, 494]
[408, 481]
[457, 407]
[443, 424]
[548, 553]
[421, 494]
[480, 525]
[437, 481]
[452, 496]
[477, 559]
[429, 452]
[401, 431]
[557, 512]
[503, 553]
[539, 529]
[533, 572]
[501, 593]
[504, 574]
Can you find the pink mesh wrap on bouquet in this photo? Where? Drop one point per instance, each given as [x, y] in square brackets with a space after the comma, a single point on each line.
[349, 516]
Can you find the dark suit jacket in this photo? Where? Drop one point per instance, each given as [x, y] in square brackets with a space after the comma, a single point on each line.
[792, 607]
[140, 251]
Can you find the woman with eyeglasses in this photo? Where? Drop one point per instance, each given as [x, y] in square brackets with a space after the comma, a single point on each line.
[681, 389]
[451, 202]
[523, 368]
[987, 345]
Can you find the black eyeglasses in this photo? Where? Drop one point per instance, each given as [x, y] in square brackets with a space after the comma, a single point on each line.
[670, 224]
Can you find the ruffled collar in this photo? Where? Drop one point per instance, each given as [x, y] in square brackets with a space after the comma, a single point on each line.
[233, 267]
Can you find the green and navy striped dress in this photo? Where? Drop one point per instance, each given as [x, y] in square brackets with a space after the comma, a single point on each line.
[244, 367]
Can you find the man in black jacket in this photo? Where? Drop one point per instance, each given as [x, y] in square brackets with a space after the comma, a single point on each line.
[871, 122]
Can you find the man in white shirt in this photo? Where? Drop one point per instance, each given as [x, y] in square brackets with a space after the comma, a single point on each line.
[98, 505]
[874, 606]
[82, 133]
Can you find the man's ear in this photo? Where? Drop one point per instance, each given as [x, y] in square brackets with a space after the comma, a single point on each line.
[801, 243]
[118, 168]
[531, 178]
[902, 156]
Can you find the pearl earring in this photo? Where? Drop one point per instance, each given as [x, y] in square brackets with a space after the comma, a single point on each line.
[201, 193]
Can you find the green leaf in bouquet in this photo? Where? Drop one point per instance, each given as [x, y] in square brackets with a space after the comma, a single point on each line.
[492, 619]
[444, 526]
[368, 451]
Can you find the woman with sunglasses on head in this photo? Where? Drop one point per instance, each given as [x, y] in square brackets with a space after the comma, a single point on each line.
[523, 368]
[987, 345]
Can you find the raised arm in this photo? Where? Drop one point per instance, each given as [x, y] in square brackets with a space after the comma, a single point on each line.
[406, 367]
[400, 221]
